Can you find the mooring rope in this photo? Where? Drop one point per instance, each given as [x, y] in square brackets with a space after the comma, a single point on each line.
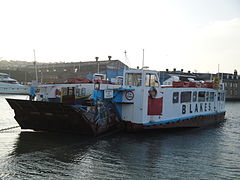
[6, 129]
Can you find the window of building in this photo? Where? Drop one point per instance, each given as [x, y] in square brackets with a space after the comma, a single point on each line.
[151, 80]
[186, 96]
[211, 98]
[201, 96]
[235, 92]
[134, 79]
[175, 97]
[194, 96]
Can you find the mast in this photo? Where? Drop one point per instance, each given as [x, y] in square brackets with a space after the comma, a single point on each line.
[35, 64]
[143, 60]
[79, 66]
[97, 64]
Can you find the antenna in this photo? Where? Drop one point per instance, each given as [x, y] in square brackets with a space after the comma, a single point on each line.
[143, 60]
[126, 59]
[35, 64]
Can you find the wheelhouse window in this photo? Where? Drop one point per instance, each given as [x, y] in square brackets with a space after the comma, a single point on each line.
[207, 96]
[186, 96]
[222, 96]
[194, 96]
[211, 98]
[133, 79]
[151, 80]
[175, 97]
[201, 96]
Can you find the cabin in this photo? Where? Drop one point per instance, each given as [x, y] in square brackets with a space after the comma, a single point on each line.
[150, 103]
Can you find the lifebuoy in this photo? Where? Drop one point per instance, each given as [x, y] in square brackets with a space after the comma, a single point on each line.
[198, 85]
[57, 92]
[185, 84]
[129, 95]
[152, 92]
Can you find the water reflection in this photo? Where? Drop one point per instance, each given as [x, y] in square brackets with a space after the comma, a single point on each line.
[60, 145]
[209, 153]
[188, 153]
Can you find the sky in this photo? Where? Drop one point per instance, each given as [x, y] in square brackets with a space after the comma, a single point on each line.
[194, 35]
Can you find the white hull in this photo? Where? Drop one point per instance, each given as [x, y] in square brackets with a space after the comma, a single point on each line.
[11, 86]
[15, 90]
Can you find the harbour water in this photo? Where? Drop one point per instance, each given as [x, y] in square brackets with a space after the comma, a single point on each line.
[208, 153]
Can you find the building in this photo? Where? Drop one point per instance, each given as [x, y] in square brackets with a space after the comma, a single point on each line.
[60, 72]
[232, 86]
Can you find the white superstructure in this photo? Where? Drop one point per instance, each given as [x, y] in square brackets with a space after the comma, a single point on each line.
[150, 103]
[11, 86]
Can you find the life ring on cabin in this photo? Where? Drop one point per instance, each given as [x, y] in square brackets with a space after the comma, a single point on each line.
[185, 84]
[152, 92]
[97, 85]
[129, 95]
[57, 92]
[37, 90]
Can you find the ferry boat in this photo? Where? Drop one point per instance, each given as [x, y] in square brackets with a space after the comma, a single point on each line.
[141, 103]
[11, 86]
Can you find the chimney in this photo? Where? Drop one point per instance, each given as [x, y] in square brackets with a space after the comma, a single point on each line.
[96, 58]
[109, 58]
[235, 72]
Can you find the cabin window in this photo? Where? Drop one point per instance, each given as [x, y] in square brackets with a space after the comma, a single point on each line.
[201, 96]
[77, 92]
[222, 96]
[68, 91]
[211, 96]
[83, 91]
[71, 91]
[64, 91]
[219, 95]
[151, 80]
[194, 96]
[207, 96]
[134, 79]
[175, 97]
[186, 96]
